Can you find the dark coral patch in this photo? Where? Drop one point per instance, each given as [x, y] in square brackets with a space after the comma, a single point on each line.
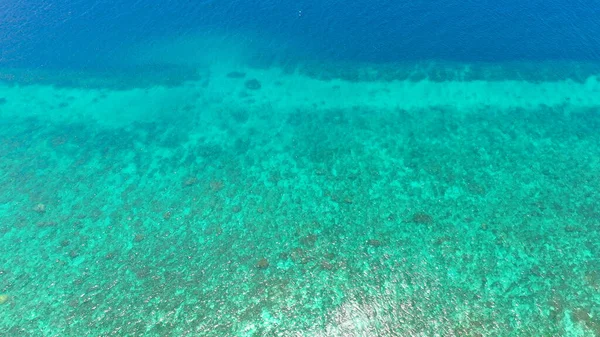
[253, 84]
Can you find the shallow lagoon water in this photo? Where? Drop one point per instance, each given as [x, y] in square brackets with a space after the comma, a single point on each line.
[201, 188]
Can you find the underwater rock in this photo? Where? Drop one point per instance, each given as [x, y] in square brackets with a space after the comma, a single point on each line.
[43, 224]
[262, 263]
[572, 229]
[216, 185]
[422, 218]
[308, 240]
[253, 84]
[592, 278]
[240, 116]
[189, 181]
[40, 208]
[236, 74]
[374, 243]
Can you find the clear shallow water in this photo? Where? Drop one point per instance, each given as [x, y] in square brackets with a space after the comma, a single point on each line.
[225, 182]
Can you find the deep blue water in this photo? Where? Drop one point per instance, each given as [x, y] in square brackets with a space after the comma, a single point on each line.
[69, 32]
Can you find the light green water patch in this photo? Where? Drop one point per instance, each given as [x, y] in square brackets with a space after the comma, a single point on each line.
[221, 210]
[228, 88]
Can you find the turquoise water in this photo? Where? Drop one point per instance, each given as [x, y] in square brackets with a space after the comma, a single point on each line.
[230, 198]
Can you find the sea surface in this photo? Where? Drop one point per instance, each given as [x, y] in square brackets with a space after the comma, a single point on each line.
[300, 168]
